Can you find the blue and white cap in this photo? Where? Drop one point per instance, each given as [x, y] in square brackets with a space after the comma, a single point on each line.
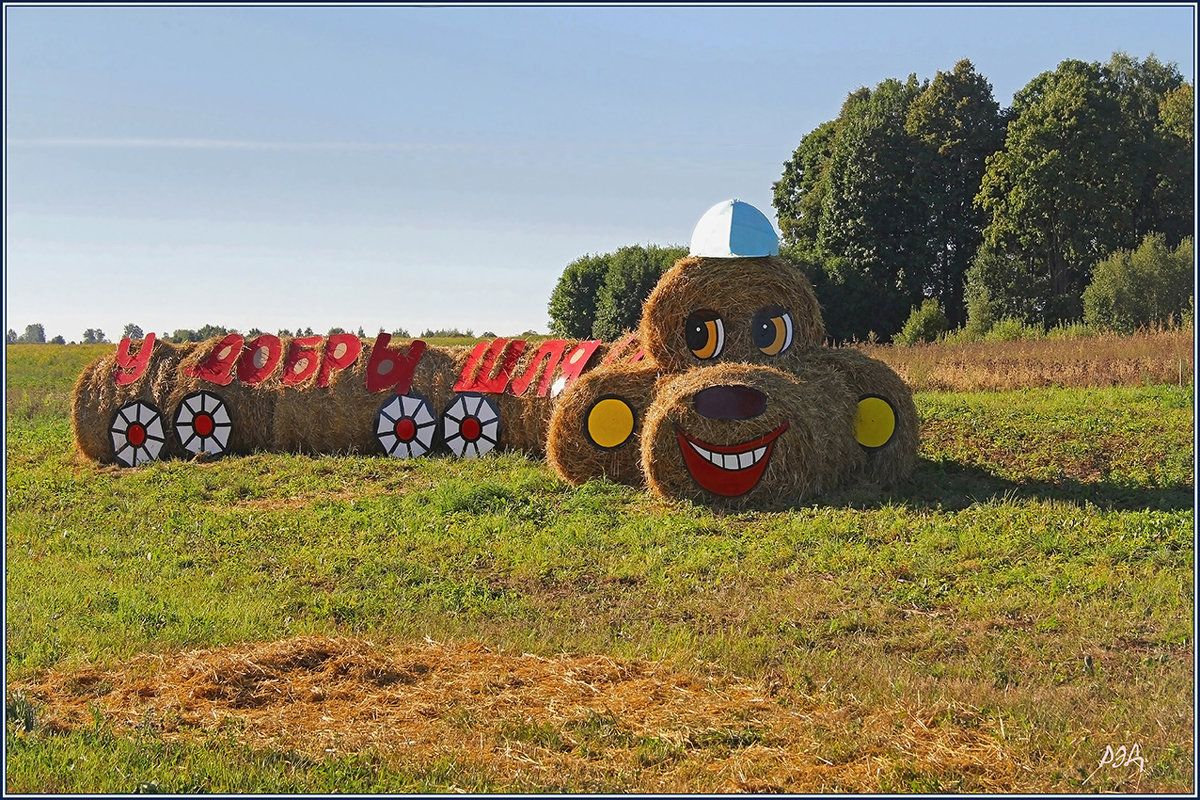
[733, 229]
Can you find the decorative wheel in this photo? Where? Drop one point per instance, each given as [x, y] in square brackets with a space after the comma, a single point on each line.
[137, 433]
[471, 425]
[202, 424]
[405, 426]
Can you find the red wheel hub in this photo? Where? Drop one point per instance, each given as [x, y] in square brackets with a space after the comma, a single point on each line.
[136, 434]
[406, 429]
[203, 425]
[471, 429]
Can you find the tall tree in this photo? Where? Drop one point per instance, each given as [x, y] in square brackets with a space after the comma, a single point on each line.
[800, 192]
[94, 336]
[1162, 158]
[132, 331]
[871, 215]
[956, 124]
[1060, 195]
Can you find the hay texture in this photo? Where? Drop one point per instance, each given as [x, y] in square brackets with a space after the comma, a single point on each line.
[97, 397]
[579, 455]
[800, 445]
[866, 377]
[735, 290]
[316, 394]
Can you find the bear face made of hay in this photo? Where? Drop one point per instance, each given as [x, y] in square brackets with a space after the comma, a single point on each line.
[737, 404]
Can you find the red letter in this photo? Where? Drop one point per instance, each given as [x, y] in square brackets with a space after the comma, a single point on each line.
[301, 360]
[573, 365]
[130, 368]
[217, 366]
[392, 368]
[341, 349]
[617, 353]
[261, 359]
[476, 377]
[551, 352]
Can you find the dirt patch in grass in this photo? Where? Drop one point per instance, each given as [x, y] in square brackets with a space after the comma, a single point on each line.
[579, 722]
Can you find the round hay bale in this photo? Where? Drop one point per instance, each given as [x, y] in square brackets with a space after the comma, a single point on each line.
[596, 426]
[745, 436]
[891, 456]
[705, 310]
[97, 398]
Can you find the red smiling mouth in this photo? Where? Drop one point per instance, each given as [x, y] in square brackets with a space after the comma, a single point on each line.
[727, 470]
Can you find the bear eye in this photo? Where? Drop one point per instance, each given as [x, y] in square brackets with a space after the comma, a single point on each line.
[772, 330]
[704, 332]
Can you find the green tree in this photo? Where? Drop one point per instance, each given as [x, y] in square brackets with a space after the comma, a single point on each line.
[10, 337]
[572, 304]
[132, 332]
[956, 124]
[1161, 154]
[1149, 286]
[632, 273]
[181, 335]
[1001, 286]
[800, 192]
[58, 340]
[924, 324]
[871, 215]
[93, 336]
[1087, 168]
[34, 334]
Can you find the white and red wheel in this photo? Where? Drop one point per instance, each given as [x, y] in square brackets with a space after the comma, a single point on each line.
[471, 425]
[137, 434]
[405, 426]
[202, 424]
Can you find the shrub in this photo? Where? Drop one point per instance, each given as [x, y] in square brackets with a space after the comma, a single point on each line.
[1011, 329]
[924, 324]
[1147, 287]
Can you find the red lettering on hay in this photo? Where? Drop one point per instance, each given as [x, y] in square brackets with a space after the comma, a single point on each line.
[389, 368]
[477, 373]
[549, 353]
[302, 361]
[217, 366]
[131, 367]
[331, 361]
[249, 372]
[576, 361]
[619, 352]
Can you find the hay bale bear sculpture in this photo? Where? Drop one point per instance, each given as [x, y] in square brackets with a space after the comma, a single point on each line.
[725, 395]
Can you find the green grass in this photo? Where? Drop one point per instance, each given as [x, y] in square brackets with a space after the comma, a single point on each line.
[1041, 527]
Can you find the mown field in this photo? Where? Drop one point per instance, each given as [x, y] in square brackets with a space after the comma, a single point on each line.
[1016, 618]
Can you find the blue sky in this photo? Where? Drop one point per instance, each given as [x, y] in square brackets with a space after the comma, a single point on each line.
[436, 167]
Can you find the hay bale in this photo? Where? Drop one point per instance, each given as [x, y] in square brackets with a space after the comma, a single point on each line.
[340, 418]
[735, 289]
[579, 455]
[866, 377]
[811, 420]
[97, 397]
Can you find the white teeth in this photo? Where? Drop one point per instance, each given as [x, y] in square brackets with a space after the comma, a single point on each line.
[732, 462]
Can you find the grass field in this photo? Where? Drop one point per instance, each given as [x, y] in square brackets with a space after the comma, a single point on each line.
[1016, 618]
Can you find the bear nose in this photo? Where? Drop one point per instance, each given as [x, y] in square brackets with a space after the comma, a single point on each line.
[730, 402]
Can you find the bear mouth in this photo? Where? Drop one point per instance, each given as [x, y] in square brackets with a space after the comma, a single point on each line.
[728, 470]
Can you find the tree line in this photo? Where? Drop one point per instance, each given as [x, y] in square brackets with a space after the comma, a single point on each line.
[926, 197]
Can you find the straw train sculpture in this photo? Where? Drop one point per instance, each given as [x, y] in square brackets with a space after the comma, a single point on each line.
[724, 395]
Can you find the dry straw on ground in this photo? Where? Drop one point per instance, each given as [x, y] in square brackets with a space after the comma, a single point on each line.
[582, 722]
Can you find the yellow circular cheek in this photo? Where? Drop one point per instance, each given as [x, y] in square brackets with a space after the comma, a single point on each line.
[610, 422]
[874, 422]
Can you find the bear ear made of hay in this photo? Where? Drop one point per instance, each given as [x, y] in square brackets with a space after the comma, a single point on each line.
[733, 229]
